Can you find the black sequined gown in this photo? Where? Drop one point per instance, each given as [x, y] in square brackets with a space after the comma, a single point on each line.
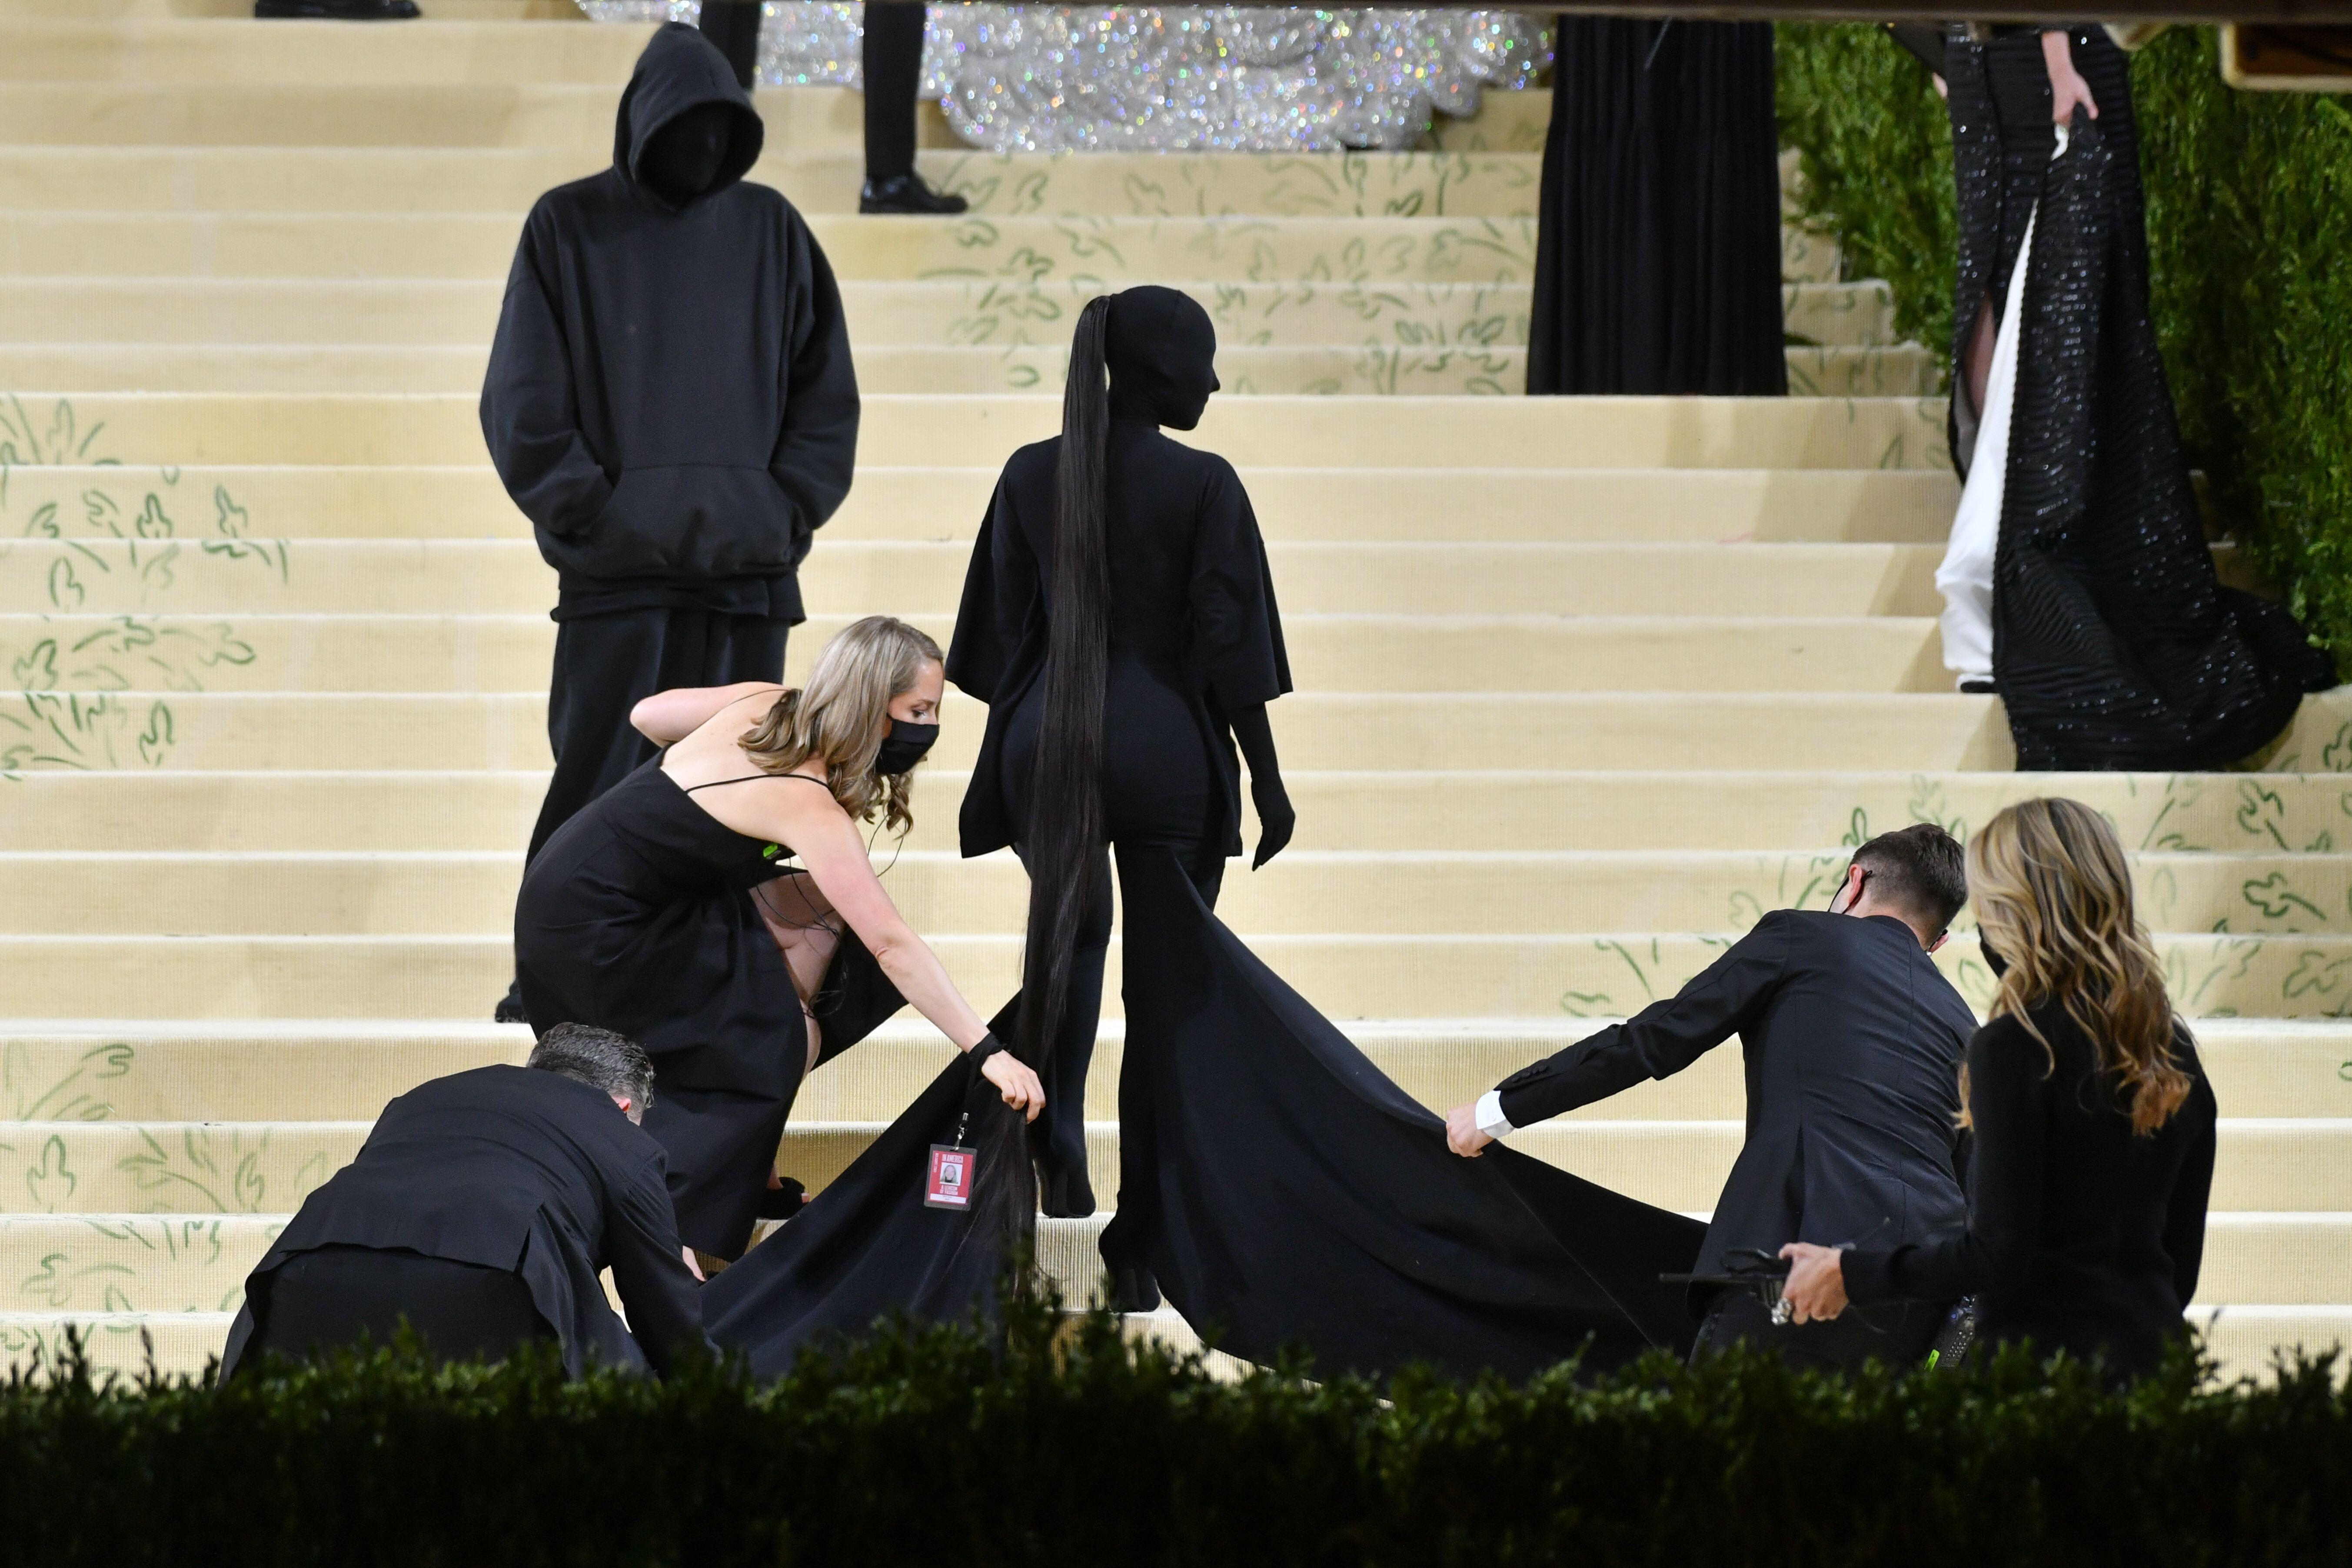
[2114, 643]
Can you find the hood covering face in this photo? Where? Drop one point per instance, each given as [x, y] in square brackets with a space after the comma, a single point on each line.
[1161, 349]
[682, 77]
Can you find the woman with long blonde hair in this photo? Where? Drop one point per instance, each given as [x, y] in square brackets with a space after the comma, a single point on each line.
[2092, 1119]
[718, 907]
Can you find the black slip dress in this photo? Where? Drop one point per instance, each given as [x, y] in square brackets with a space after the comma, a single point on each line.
[1276, 1184]
[638, 917]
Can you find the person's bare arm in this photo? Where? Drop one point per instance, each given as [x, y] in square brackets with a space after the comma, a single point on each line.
[668, 717]
[833, 850]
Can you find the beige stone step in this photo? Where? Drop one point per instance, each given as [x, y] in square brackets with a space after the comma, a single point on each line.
[1369, 652]
[1372, 432]
[1368, 371]
[230, 48]
[1911, 506]
[355, 812]
[442, 12]
[321, 1070]
[924, 581]
[1524, 975]
[213, 1169]
[1500, 892]
[575, 117]
[508, 180]
[1027, 252]
[1638, 732]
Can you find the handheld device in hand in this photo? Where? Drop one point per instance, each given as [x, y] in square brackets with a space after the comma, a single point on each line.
[1747, 1268]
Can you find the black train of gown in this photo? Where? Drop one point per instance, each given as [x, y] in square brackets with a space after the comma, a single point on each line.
[638, 917]
[1658, 238]
[1280, 1187]
[2114, 643]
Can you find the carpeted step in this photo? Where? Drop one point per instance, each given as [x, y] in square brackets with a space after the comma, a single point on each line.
[1345, 976]
[273, 652]
[1371, 370]
[1499, 892]
[979, 431]
[1354, 810]
[316, 1069]
[233, 48]
[1525, 504]
[1645, 732]
[214, 569]
[508, 180]
[443, 13]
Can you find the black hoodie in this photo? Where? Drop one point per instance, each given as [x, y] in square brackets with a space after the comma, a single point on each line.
[669, 397]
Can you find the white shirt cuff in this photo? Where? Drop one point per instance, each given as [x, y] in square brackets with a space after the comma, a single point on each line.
[1491, 1119]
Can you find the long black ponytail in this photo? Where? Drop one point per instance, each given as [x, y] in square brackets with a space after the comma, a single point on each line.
[1065, 833]
[1065, 818]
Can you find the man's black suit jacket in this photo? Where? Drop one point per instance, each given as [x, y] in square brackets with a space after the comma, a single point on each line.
[1853, 1041]
[515, 1168]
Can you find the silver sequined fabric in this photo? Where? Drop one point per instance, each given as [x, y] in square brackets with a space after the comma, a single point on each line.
[1040, 79]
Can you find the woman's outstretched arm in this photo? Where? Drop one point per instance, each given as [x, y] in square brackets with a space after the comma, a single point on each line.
[830, 846]
[668, 717]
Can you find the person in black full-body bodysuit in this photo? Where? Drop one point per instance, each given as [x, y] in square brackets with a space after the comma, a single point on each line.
[670, 401]
[1272, 1181]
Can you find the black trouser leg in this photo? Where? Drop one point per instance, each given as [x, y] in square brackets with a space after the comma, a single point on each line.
[734, 27]
[1897, 1332]
[335, 1297]
[894, 69]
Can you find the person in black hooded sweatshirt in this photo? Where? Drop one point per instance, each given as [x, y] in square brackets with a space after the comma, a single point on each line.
[670, 401]
[1118, 619]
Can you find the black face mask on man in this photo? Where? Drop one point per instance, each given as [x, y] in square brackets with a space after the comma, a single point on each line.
[903, 746]
[682, 158]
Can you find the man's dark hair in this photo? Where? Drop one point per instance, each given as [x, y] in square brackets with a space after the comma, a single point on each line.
[599, 1058]
[1921, 869]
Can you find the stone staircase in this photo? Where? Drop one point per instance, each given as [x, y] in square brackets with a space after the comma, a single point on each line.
[1585, 685]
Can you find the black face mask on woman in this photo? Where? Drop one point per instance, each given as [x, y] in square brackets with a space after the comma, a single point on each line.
[903, 746]
[1993, 961]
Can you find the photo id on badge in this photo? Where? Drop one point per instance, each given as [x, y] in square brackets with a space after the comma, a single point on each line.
[950, 1183]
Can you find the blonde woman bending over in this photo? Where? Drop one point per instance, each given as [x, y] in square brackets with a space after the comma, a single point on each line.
[718, 907]
[2092, 1119]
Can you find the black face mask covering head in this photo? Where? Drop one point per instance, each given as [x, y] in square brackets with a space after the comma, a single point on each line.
[903, 746]
[682, 158]
[1161, 349]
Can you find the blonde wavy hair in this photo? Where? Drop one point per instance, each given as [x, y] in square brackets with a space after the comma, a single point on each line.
[2053, 897]
[843, 715]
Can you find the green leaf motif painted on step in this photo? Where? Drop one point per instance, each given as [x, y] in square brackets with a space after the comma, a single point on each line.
[124, 539]
[2277, 901]
[50, 1181]
[219, 1169]
[32, 1093]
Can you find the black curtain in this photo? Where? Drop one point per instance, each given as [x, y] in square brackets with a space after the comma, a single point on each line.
[1658, 249]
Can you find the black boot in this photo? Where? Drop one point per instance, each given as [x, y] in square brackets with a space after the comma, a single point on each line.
[339, 10]
[1065, 1195]
[509, 1007]
[907, 193]
[783, 1200]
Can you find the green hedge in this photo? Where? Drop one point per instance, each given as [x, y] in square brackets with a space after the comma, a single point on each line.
[939, 1449]
[2250, 228]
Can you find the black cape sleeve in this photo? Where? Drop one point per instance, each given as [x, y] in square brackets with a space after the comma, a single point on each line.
[1000, 594]
[1237, 627]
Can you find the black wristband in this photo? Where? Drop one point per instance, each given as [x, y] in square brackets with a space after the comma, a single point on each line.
[989, 1046]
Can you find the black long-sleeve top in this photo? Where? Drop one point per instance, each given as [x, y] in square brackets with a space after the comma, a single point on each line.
[670, 398]
[1851, 1040]
[2080, 1234]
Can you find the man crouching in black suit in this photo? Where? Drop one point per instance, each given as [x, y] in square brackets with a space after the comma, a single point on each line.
[1853, 1041]
[479, 1212]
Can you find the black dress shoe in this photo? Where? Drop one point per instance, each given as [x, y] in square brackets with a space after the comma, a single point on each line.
[339, 10]
[509, 1007]
[907, 193]
[1134, 1290]
[1982, 687]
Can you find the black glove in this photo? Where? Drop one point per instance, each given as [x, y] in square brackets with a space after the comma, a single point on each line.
[1275, 819]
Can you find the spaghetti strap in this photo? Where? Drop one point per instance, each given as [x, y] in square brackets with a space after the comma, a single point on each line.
[747, 778]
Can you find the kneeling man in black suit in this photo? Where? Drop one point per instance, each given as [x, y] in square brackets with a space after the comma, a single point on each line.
[1852, 1040]
[480, 1211]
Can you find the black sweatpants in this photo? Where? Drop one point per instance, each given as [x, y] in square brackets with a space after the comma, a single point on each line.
[1899, 1333]
[605, 665]
[893, 64]
[336, 1296]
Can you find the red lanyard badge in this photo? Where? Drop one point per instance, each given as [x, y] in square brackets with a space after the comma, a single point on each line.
[949, 1182]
